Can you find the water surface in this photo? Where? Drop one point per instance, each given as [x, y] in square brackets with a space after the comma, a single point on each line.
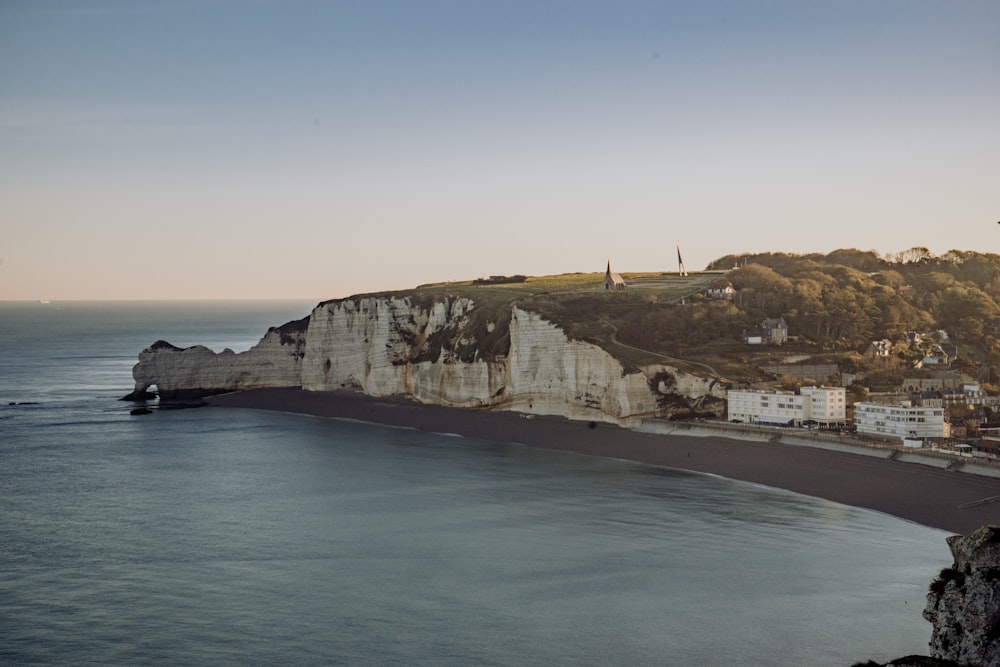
[217, 536]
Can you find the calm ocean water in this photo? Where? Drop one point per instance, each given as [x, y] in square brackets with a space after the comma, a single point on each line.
[214, 537]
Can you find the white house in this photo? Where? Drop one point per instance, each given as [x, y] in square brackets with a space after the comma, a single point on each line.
[825, 405]
[879, 348]
[720, 289]
[899, 421]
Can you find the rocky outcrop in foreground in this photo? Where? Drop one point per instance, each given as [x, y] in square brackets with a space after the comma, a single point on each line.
[444, 351]
[963, 606]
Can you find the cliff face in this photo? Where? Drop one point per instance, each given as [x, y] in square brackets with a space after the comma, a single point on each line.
[963, 605]
[386, 346]
[275, 361]
[964, 601]
[443, 351]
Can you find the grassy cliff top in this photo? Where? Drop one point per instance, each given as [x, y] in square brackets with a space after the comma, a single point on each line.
[579, 304]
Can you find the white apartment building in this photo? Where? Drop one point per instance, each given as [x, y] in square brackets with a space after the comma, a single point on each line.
[899, 421]
[826, 405]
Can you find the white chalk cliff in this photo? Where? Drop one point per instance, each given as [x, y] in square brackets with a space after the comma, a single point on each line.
[197, 371]
[443, 351]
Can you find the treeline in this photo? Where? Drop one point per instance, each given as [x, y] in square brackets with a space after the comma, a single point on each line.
[842, 300]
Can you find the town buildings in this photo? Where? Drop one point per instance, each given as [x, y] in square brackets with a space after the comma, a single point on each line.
[968, 395]
[899, 421]
[826, 406]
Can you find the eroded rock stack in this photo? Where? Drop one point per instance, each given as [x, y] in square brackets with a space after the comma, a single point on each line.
[963, 603]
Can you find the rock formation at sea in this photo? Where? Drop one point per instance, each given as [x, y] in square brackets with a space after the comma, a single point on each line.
[440, 350]
[963, 606]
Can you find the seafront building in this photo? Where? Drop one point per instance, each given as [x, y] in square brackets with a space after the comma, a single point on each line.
[826, 406]
[899, 421]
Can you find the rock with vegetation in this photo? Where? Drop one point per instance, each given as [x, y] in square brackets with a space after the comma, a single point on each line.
[963, 604]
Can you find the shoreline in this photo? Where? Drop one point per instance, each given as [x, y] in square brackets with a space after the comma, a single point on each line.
[928, 495]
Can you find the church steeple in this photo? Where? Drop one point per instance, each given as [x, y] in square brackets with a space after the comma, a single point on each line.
[613, 281]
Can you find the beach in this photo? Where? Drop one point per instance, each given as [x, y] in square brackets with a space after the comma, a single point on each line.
[928, 495]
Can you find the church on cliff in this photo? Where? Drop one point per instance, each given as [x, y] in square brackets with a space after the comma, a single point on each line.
[613, 281]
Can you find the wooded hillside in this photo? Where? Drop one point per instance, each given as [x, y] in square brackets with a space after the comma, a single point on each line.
[849, 297]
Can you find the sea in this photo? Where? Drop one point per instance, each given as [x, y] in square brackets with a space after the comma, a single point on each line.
[217, 536]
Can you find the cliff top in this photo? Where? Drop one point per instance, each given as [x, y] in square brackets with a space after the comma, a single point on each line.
[577, 302]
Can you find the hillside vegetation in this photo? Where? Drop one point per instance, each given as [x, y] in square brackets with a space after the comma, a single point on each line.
[834, 305]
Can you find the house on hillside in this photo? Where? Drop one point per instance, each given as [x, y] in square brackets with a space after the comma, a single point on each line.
[720, 288]
[613, 281]
[936, 358]
[879, 348]
[775, 330]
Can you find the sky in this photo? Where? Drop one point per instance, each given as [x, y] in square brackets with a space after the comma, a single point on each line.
[322, 148]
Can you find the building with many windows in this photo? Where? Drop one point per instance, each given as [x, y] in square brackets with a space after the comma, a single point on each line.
[899, 421]
[823, 405]
[827, 405]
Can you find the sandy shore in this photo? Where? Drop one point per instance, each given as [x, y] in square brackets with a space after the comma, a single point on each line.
[930, 496]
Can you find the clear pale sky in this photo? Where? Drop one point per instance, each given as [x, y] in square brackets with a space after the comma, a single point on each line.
[316, 149]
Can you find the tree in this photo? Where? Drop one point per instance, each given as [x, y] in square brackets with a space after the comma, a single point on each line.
[915, 255]
[857, 392]
[862, 260]
[890, 278]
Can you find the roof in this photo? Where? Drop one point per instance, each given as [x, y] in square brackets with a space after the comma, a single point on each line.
[614, 277]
